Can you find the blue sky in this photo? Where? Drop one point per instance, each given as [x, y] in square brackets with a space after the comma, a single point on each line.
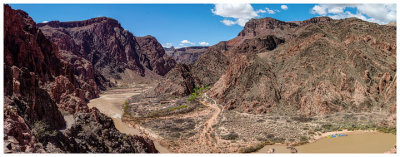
[200, 24]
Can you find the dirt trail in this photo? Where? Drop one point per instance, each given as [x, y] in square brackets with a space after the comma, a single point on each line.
[110, 103]
[206, 138]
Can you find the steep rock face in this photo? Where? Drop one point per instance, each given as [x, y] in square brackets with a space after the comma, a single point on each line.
[30, 65]
[38, 81]
[211, 65]
[259, 44]
[179, 82]
[105, 54]
[186, 55]
[154, 57]
[102, 41]
[336, 65]
[42, 58]
[264, 26]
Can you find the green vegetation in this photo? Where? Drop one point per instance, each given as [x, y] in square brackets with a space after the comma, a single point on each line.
[126, 108]
[178, 107]
[197, 92]
[352, 127]
[255, 147]
[194, 95]
[386, 130]
[167, 111]
[303, 138]
[42, 130]
[230, 136]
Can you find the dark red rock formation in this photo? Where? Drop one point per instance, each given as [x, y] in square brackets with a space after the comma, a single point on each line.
[18, 135]
[108, 48]
[153, 55]
[43, 59]
[30, 65]
[102, 51]
[179, 82]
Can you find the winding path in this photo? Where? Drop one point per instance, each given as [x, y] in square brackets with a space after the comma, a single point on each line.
[205, 135]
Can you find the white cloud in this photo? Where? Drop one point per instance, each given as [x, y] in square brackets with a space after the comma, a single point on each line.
[284, 7]
[228, 22]
[261, 11]
[377, 13]
[167, 45]
[270, 11]
[240, 12]
[187, 42]
[203, 43]
[45, 21]
[318, 10]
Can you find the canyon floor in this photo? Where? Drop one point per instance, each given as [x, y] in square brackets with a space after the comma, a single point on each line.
[203, 126]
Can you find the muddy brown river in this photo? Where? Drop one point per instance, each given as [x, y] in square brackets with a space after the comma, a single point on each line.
[367, 142]
[373, 142]
[110, 103]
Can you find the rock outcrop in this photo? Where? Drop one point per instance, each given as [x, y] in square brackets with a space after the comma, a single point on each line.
[186, 55]
[95, 133]
[30, 65]
[154, 57]
[179, 82]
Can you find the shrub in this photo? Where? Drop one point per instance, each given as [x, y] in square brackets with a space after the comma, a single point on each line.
[303, 138]
[255, 147]
[126, 108]
[178, 107]
[387, 130]
[41, 130]
[230, 136]
[197, 92]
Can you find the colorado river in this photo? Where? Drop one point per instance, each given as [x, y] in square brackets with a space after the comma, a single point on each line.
[366, 142]
[372, 142]
[110, 103]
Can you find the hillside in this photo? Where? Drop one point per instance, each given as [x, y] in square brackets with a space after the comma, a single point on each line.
[312, 67]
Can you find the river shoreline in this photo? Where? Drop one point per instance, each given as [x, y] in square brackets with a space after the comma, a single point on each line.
[282, 148]
[110, 103]
[349, 132]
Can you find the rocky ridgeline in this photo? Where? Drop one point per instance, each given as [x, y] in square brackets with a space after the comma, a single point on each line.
[186, 55]
[101, 50]
[312, 67]
[40, 80]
